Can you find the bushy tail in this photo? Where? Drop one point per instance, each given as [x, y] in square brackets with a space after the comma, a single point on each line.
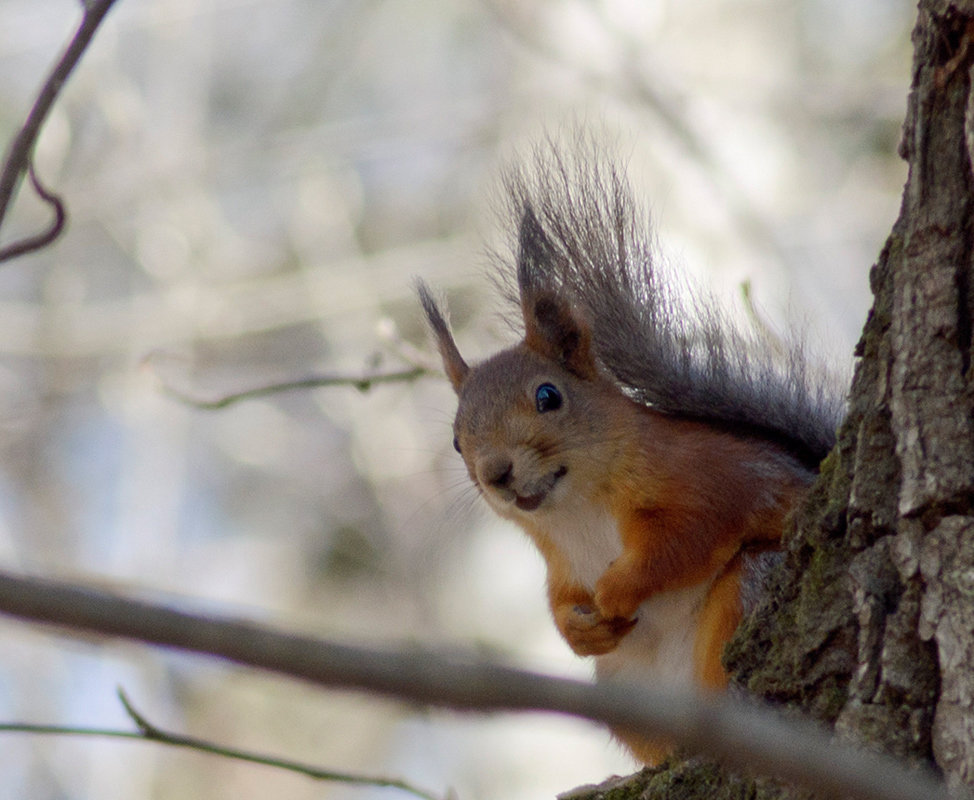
[581, 235]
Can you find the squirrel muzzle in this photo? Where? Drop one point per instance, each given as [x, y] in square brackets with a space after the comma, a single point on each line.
[499, 480]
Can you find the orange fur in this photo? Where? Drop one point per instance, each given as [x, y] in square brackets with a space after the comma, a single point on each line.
[574, 610]
[647, 750]
[719, 618]
[640, 517]
[689, 502]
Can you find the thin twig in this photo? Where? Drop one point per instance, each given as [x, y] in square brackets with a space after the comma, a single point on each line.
[741, 735]
[419, 364]
[40, 240]
[361, 382]
[18, 159]
[148, 732]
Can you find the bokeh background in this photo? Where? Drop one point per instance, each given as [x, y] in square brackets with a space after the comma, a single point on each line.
[253, 186]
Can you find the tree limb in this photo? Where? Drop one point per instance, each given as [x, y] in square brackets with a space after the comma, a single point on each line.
[742, 736]
[19, 159]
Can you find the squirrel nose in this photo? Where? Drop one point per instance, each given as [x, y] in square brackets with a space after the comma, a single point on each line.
[497, 471]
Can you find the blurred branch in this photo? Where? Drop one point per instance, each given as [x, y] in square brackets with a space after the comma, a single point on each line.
[148, 732]
[343, 292]
[30, 243]
[741, 735]
[420, 365]
[362, 382]
[19, 158]
[668, 109]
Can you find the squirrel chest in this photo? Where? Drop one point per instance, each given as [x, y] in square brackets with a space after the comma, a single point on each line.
[580, 542]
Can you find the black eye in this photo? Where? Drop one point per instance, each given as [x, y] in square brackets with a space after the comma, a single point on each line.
[547, 398]
[456, 444]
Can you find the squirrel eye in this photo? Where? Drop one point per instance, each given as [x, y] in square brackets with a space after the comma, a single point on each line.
[456, 444]
[547, 398]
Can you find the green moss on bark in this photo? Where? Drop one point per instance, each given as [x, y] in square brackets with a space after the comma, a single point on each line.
[691, 779]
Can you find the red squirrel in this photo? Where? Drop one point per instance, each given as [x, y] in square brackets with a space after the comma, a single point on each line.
[648, 447]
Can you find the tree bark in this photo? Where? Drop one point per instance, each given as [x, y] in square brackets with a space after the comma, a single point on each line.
[870, 624]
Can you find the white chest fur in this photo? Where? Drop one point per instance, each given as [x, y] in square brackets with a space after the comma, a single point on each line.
[659, 649]
[587, 536]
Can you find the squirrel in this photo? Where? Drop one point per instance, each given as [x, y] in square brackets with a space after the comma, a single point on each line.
[649, 448]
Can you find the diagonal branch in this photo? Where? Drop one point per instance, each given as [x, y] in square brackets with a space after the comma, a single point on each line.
[741, 735]
[18, 159]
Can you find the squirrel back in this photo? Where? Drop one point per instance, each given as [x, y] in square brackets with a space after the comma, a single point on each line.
[649, 449]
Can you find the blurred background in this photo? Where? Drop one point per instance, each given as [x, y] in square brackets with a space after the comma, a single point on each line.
[252, 186]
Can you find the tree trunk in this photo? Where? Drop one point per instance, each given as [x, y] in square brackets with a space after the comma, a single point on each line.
[870, 626]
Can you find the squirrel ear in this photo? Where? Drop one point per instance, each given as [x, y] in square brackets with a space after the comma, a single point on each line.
[552, 327]
[554, 330]
[454, 365]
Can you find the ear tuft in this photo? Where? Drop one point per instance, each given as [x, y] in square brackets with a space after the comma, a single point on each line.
[552, 327]
[536, 253]
[453, 364]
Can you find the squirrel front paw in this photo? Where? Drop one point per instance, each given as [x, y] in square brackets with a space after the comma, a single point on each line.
[620, 591]
[589, 633]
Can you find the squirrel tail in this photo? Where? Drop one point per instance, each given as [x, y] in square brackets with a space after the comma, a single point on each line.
[582, 236]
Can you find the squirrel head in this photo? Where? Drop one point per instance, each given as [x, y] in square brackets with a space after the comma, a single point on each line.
[538, 417]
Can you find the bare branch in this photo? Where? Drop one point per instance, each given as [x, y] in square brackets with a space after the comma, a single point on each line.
[362, 382]
[148, 732]
[18, 159]
[743, 736]
[40, 240]
[420, 364]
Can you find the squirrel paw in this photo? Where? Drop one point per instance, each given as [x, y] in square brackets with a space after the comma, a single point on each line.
[619, 592]
[589, 633]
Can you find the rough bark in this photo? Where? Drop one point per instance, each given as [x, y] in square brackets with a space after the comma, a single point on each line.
[870, 627]
[873, 628]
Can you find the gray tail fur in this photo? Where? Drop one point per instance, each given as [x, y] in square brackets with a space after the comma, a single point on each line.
[583, 237]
